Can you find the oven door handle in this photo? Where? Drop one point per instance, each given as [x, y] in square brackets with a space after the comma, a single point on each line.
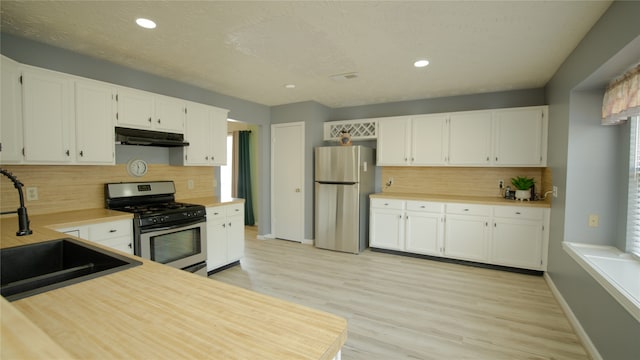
[172, 226]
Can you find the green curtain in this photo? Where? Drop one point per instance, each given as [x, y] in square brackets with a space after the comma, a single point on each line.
[244, 176]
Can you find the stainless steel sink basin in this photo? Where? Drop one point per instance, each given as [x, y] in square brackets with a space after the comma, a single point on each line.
[32, 269]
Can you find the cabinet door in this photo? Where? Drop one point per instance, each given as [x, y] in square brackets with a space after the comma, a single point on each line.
[423, 233]
[387, 230]
[517, 243]
[520, 137]
[466, 237]
[197, 133]
[218, 119]
[216, 242]
[429, 139]
[135, 108]
[235, 237]
[94, 123]
[10, 113]
[392, 145]
[170, 114]
[470, 138]
[47, 116]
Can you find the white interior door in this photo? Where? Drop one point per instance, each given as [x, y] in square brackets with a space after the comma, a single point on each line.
[287, 180]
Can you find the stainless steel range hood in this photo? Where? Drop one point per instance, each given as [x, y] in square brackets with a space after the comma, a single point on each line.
[126, 136]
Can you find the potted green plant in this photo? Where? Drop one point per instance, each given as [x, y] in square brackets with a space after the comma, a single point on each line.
[523, 186]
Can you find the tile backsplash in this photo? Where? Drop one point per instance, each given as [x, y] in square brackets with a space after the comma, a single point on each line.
[465, 181]
[63, 188]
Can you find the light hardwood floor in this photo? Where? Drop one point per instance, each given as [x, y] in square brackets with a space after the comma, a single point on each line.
[406, 308]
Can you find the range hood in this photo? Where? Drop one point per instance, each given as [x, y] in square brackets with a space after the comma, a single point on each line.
[126, 136]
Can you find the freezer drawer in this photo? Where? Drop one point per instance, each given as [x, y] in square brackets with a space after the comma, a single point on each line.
[337, 217]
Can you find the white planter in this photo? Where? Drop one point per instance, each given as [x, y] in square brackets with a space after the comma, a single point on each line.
[523, 195]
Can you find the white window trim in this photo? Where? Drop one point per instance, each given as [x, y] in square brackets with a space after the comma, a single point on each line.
[616, 271]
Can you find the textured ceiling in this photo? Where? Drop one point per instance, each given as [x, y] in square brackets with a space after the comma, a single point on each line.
[250, 50]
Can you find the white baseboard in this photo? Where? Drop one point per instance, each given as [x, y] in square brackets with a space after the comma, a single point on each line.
[307, 242]
[266, 237]
[586, 341]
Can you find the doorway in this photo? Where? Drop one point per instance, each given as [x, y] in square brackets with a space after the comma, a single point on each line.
[238, 177]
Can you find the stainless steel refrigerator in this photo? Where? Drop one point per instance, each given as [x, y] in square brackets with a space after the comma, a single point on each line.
[344, 178]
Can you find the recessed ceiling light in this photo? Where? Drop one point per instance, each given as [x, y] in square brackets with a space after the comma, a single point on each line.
[421, 63]
[146, 23]
[290, 86]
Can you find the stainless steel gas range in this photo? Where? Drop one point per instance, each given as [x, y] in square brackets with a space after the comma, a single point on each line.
[166, 231]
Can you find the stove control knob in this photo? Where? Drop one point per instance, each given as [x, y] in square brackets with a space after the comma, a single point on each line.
[154, 220]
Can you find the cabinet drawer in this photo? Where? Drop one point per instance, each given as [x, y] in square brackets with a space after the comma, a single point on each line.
[216, 212]
[110, 230]
[425, 206]
[234, 209]
[387, 203]
[469, 209]
[515, 212]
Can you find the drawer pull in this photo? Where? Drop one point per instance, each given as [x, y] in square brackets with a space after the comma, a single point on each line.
[237, 210]
[517, 212]
[422, 207]
[386, 204]
[465, 209]
[216, 213]
[112, 230]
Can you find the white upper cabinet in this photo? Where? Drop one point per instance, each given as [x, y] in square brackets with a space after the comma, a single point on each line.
[169, 114]
[48, 119]
[134, 108]
[94, 122]
[393, 147]
[505, 137]
[10, 113]
[412, 141]
[520, 136]
[429, 140]
[219, 132]
[206, 132]
[145, 110]
[470, 138]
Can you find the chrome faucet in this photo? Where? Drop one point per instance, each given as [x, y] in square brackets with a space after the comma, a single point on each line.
[23, 218]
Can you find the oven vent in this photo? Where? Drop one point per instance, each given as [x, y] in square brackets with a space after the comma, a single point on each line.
[126, 136]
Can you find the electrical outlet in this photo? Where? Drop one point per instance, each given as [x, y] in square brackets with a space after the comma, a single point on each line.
[190, 184]
[500, 183]
[594, 220]
[32, 193]
[555, 191]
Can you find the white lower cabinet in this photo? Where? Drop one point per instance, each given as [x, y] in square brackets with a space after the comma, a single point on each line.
[386, 230]
[412, 226]
[467, 232]
[424, 230]
[519, 237]
[114, 234]
[225, 235]
[514, 236]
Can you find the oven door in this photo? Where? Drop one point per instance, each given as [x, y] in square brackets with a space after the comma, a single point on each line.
[180, 246]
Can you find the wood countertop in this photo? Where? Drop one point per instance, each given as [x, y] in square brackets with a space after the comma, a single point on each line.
[210, 201]
[483, 200]
[154, 311]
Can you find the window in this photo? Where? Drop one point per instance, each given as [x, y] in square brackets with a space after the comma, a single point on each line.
[633, 213]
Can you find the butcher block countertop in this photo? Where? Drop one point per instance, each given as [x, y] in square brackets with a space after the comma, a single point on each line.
[481, 200]
[154, 311]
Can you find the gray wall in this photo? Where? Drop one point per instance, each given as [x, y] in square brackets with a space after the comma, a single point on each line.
[38, 54]
[588, 167]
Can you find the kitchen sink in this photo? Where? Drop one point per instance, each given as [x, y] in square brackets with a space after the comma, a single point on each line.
[36, 268]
